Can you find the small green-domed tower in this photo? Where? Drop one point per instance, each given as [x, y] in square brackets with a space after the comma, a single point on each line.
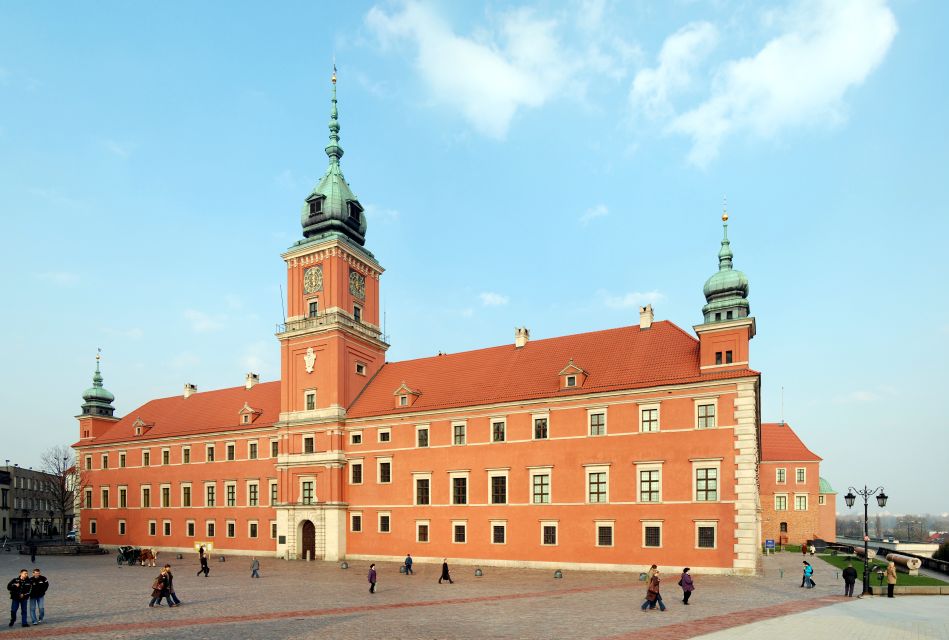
[332, 209]
[98, 399]
[726, 292]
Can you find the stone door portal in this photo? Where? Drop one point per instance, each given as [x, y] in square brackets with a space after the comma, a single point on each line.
[308, 541]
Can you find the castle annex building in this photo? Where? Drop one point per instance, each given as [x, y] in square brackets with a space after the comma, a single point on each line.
[616, 448]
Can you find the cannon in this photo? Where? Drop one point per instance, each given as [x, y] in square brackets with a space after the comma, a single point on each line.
[905, 563]
[858, 551]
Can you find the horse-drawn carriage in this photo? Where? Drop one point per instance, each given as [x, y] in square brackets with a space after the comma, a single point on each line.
[131, 555]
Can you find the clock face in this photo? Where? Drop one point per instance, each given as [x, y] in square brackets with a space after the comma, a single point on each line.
[313, 279]
[357, 284]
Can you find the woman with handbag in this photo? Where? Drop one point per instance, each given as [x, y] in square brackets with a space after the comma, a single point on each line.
[159, 589]
[652, 594]
[687, 587]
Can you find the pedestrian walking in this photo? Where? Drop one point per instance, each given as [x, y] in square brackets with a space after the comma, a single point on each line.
[372, 578]
[446, 574]
[808, 572]
[173, 597]
[890, 579]
[38, 587]
[204, 563]
[19, 589]
[804, 574]
[850, 577]
[408, 564]
[687, 586]
[255, 568]
[812, 550]
[32, 553]
[653, 597]
[160, 589]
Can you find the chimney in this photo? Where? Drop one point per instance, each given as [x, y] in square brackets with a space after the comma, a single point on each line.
[645, 317]
[190, 389]
[250, 380]
[521, 336]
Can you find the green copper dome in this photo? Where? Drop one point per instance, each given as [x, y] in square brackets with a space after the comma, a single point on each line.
[332, 208]
[98, 399]
[726, 292]
[825, 487]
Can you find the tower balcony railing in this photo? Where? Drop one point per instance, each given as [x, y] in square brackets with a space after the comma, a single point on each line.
[329, 319]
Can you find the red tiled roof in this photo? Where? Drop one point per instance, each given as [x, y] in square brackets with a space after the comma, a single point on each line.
[780, 443]
[203, 412]
[614, 359]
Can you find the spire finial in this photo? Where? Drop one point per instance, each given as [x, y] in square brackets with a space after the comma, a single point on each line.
[333, 150]
[725, 253]
[97, 377]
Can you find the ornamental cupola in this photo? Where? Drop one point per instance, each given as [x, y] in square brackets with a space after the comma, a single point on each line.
[97, 399]
[332, 209]
[726, 292]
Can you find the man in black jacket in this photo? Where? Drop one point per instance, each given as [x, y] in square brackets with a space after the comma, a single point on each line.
[850, 576]
[37, 596]
[19, 589]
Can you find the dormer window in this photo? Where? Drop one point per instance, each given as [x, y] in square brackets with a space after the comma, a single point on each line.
[403, 401]
[405, 396]
[572, 376]
[354, 210]
[245, 419]
[571, 381]
[316, 206]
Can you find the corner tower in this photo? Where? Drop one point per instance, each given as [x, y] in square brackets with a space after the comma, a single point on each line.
[331, 344]
[728, 327]
[98, 414]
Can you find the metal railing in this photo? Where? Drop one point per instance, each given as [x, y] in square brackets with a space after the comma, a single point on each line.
[328, 318]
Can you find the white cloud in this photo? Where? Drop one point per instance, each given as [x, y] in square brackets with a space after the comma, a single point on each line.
[631, 299]
[797, 78]
[202, 322]
[521, 61]
[491, 299]
[593, 213]
[376, 212]
[59, 278]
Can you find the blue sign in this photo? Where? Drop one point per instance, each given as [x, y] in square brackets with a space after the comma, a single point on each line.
[769, 544]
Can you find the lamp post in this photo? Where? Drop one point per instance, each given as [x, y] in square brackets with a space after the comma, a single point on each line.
[850, 498]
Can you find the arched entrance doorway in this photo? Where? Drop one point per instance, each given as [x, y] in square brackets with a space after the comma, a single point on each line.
[307, 540]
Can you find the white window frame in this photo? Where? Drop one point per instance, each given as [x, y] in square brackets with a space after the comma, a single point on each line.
[806, 500]
[273, 529]
[416, 476]
[249, 484]
[646, 406]
[188, 449]
[492, 422]
[303, 438]
[800, 471]
[122, 527]
[161, 495]
[270, 442]
[428, 525]
[165, 451]
[457, 523]
[253, 523]
[706, 463]
[256, 444]
[181, 495]
[379, 463]
[193, 526]
[596, 468]
[207, 528]
[306, 396]
[123, 459]
[550, 523]
[230, 483]
[777, 475]
[466, 474]
[596, 533]
[590, 413]
[300, 481]
[229, 527]
[352, 516]
[781, 495]
[166, 528]
[360, 368]
[571, 380]
[353, 462]
[403, 400]
[706, 523]
[502, 472]
[821, 499]
[153, 527]
[428, 436]
[662, 534]
[464, 425]
[141, 497]
[384, 430]
[496, 523]
[217, 497]
[355, 435]
[540, 416]
[230, 446]
[379, 516]
[649, 465]
[697, 402]
[541, 471]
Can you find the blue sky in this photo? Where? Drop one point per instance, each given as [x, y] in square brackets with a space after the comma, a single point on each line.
[545, 164]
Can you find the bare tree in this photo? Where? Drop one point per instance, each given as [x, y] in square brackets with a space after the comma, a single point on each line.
[68, 481]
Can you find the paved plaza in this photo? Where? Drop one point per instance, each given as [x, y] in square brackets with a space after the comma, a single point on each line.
[92, 597]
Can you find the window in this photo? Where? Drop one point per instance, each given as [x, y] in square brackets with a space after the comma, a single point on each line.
[210, 528]
[316, 206]
[274, 448]
[92, 527]
[780, 475]
[781, 502]
[540, 428]
[189, 528]
[355, 473]
[498, 489]
[548, 533]
[105, 461]
[186, 455]
[706, 484]
[313, 306]
[385, 471]
[251, 529]
[800, 502]
[231, 528]
[649, 485]
[230, 451]
[308, 444]
[273, 530]
[121, 527]
[210, 453]
[230, 495]
[604, 535]
[252, 451]
[705, 416]
[165, 456]
[166, 497]
[355, 522]
[105, 499]
[309, 400]
[540, 488]
[146, 458]
[360, 369]
[784, 527]
[421, 531]
[306, 492]
[460, 531]
[166, 527]
[210, 491]
[403, 401]
[800, 475]
[421, 436]
[649, 418]
[355, 437]
[273, 492]
[385, 520]
[571, 381]
[498, 430]
[498, 533]
[152, 528]
[821, 499]
[597, 423]
[459, 490]
[385, 435]
[423, 491]
[253, 494]
[718, 354]
[123, 497]
[728, 355]
[458, 430]
[596, 485]
[88, 462]
[705, 535]
[652, 534]
[357, 313]
[186, 495]
[146, 497]
[121, 460]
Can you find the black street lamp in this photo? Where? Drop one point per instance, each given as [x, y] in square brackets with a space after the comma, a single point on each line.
[850, 498]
